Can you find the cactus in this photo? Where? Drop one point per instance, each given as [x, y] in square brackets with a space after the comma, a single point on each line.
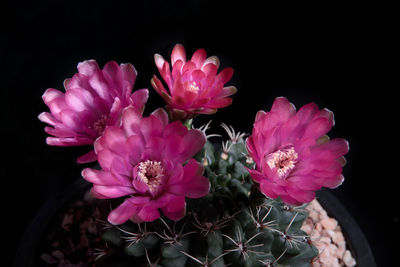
[233, 225]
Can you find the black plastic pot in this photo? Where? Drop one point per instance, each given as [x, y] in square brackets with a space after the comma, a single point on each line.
[27, 252]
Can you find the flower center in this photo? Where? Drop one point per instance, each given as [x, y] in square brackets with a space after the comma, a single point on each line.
[283, 161]
[151, 173]
[193, 87]
[100, 124]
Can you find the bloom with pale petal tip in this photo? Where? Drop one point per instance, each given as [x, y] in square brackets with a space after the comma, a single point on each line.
[194, 86]
[294, 157]
[94, 99]
[143, 161]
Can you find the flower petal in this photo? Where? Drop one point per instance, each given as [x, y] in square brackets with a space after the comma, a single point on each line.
[113, 191]
[178, 53]
[88, 67]
[149, 213]
[139, 98]
[122, 213]
[88, 157]
[99, 177]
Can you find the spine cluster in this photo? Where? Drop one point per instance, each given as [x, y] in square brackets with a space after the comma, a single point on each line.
[234, 225]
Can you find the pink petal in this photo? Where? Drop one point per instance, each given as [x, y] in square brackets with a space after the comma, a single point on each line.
[228, 91]
[159, 87]
[199, 57]
[328, 114]
[78, 81]
[122, 213]
[193, 183]
[307, 112]
[131, 120]
[290, 200]
[79, 100]
[192, 143]
[283, 108]
[207, 111]
[196, 184]
[68, 141]
[177, 68]
[151, 127]
[162, 115]
[305, 183]
[57, 106]
[220, 103]
[139, 98]
[166, 74]
[48, 118]
[268, 189]
[113, 191]
[154, 148]
[88, 67]
[317, 128]
[210, 70]
[174, 128]
[94, 194]
[114, 139]
[211, 60]
[178, 53]
[260, 115]
[60, 132]
[159, 60]
[332, 182]
[104, 156]
[149, 213]
[115, 112]
[71, 119]
[139, 201]
[115, 75]
[175, 173]
[175, 209]
[121, 169]
[302, 196]
[135, 146]
[129, 74]
[337, 146]
[188, 67]
[256, 175]
[173, 147]
[99, 177]
[198, 75]
[88, 157]
[100, 84]
[225, 75]
[140, 186]
[51, 94]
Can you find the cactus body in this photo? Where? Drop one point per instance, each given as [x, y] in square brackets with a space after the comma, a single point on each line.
[233, 225]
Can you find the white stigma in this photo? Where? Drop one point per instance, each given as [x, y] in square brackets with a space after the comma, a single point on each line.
[152, 173]
[193, 87]
[283, 161]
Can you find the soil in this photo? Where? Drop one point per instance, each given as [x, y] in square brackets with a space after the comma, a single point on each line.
[326, 234]
[74, 236]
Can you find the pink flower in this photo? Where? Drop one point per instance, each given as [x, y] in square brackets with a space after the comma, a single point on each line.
[194, 85]
[293, 155]
[93, 100]
[144, 160]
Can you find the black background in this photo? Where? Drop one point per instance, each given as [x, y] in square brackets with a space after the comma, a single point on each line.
[331, 55]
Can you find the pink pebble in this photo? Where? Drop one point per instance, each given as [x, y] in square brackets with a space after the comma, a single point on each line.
[329, 223]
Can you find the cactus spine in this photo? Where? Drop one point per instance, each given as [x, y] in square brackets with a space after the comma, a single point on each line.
[233, 225]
